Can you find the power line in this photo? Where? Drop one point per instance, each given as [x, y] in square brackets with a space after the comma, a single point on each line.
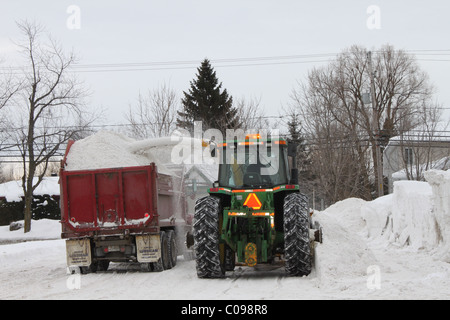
[227, 62]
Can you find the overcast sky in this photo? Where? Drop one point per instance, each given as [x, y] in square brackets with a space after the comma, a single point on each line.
[124, 32]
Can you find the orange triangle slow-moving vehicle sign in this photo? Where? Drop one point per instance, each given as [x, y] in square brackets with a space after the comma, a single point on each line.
[252, 201]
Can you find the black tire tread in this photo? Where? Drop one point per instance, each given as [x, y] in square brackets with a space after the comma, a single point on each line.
[297, 248]
[206, 238]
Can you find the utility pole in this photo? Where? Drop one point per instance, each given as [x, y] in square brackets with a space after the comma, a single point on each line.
[376, 131]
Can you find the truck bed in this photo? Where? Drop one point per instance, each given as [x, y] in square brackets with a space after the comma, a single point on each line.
[109, 201]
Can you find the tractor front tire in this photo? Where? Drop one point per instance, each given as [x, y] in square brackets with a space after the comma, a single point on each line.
[297, 250]
[206, 238]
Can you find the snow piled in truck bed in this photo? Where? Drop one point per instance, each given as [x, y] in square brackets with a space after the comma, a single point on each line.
[102, 150]
[106, 149]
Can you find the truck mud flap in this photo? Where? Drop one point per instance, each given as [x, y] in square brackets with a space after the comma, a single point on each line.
[78, 252]
[148, 248]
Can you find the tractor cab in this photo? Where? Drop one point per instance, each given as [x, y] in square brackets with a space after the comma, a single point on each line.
[254, 163]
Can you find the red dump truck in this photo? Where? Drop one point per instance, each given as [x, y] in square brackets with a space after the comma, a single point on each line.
[126, 214]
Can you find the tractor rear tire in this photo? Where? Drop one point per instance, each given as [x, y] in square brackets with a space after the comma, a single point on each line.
[206, 238]
[297, 250]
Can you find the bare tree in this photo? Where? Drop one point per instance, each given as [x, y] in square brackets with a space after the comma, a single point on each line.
[335, 147]
[426, 146]
[46, 106]
[332, 105]
[155, 114]
[8, 87]
[250, 115]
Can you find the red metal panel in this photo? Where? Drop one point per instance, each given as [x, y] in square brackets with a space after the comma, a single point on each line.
[80, 196]
[108, 197]
[136, 194]
[105, 200]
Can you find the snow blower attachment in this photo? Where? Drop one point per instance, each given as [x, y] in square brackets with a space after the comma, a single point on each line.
[255, 213]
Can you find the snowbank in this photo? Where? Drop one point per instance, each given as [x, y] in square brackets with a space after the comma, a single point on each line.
[43, 229]
[440, 183]
[13, 191]
[412, 217]
[416, 215]
[342, 253]
[377, 215]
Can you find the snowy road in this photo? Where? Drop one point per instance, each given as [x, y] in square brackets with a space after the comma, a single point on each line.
[396, 247]
[347, 267]
[36, 270]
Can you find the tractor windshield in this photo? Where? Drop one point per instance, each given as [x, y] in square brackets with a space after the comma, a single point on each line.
[251, 167]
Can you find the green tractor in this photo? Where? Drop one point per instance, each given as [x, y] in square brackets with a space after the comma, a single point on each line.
[255, 213]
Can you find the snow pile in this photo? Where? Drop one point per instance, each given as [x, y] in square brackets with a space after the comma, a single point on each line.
[107, 149]
[412, 217]
[342, 253]
[378, 216]
[13, 191]
[416, 215]
[102, 150]
[440, 183]
[43, 229]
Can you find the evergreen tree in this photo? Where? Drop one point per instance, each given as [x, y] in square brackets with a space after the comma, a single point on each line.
[206, 102]
[303, 159]
[294, 128]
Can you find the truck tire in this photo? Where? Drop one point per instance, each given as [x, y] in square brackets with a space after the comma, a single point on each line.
[297, 250]
[165, 259]
[162, 263]
[103, 265]
[92, 268]
[206, 238]
[172, 248]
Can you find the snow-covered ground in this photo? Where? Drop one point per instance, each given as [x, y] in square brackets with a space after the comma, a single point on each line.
[396, 247]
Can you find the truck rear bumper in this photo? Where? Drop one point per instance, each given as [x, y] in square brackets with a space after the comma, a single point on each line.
[96, 232]
[83, 252]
